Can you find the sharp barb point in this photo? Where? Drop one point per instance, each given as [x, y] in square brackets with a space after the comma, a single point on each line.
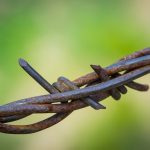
[22, 62]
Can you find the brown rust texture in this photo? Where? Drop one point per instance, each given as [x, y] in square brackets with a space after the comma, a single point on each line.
[66, 96]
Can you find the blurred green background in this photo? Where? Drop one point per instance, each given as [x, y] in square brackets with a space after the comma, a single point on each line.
[64, 38]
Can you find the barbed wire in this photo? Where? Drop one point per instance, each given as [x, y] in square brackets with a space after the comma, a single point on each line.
[66, 96]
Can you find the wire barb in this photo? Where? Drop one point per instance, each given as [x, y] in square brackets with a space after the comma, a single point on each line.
[66, 96]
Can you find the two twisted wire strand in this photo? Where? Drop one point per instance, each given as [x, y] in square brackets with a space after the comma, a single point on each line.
[20, 109]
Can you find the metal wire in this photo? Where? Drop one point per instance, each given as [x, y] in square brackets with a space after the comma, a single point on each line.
[65, 96]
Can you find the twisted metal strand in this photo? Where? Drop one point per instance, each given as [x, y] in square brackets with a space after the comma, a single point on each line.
[100, 84]
[104, 77]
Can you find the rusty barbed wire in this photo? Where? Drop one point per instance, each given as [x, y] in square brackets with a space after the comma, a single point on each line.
[66, 96]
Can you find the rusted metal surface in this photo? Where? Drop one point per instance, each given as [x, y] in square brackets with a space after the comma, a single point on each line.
[103, 76]
[115, 68]
[65, 96]
[88, 100]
